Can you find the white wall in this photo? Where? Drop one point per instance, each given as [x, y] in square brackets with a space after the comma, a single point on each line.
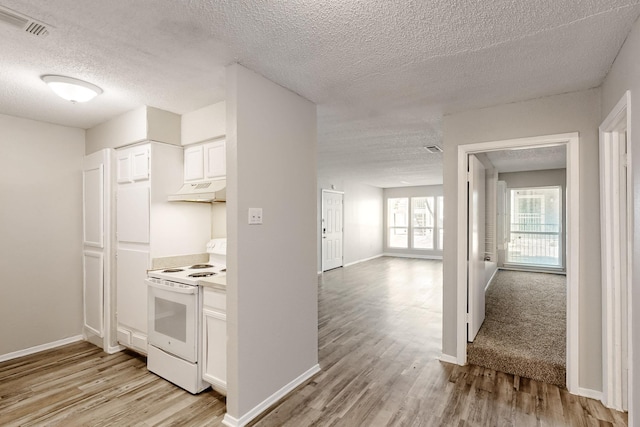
[416, 191]
[625, 75]
[363, 225]
[578, 111]
[362, 222]
[41, 229]
[141, 124]
[272, 285]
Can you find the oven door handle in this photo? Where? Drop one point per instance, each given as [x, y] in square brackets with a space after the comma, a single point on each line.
[177, 289]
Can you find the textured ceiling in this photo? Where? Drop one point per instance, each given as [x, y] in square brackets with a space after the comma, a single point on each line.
[382, 72]
[530, 159]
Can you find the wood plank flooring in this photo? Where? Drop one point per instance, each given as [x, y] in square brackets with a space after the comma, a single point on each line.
[80, 385]
[380, 330]
[379, 338]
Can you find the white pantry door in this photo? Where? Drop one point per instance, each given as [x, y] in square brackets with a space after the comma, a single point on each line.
[475, 275]
[332, 229]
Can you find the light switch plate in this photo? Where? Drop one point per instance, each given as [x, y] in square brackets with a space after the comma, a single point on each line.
[255, 216]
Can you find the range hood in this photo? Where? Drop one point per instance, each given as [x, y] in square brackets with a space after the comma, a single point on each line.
[207, 191]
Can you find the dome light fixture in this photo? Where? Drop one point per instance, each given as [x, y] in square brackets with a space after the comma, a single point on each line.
[71, 89]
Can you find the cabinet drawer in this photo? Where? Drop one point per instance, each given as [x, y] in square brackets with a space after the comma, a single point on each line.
[215, 300]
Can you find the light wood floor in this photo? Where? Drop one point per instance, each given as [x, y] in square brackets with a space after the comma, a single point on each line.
[380, 333]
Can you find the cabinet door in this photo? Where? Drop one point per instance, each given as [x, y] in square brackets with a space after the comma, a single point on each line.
[194, 163]
[140, 163]
[214, 370]
[132, 214]
[123, 167]
[132, 269]
[215, 165]
[93, 283]
[93, 205]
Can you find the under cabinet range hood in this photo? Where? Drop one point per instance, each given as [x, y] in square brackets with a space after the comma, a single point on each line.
[207, 192]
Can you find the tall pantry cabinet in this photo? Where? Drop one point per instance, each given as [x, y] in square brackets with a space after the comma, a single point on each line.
[148, 226]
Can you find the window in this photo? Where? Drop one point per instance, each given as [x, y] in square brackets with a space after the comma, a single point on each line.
[535, 227]
[398, 219]
[423, 219]
[440, 222]
[414, 222]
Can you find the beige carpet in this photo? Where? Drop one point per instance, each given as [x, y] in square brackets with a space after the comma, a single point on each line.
[524, 332]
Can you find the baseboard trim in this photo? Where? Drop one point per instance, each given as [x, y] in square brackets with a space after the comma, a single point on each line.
[115, 349]
[436, 257]
[39, 348]
[448, 359]
[363, 260]
[265, 404]
[591, 394]
[493, 276]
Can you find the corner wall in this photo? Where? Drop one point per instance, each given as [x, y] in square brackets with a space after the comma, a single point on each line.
[272, 302]
[578, 111]
[41, 229]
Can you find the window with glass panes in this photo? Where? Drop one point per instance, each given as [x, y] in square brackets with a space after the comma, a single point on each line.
[398, 220]
[414, 222]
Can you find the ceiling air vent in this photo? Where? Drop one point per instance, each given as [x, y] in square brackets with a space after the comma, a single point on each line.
[23, 22]
[433, 149]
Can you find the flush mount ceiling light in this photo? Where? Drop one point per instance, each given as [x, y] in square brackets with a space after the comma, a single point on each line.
[71, 89]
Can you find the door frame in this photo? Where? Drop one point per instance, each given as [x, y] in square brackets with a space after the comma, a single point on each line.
[612, 374]
[571, 141]
[322, 269]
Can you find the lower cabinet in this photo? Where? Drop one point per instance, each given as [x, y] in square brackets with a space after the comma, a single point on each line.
[214, 340]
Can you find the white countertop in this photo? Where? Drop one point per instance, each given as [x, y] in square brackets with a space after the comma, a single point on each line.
[219, 282]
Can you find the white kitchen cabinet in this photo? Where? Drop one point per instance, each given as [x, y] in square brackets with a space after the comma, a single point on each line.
[205, 161]
[133, 164]
[132, 297]
[214, 340]
[194, 163]
[215, 156]
[98, 286]
[132, 214]
[149, 226]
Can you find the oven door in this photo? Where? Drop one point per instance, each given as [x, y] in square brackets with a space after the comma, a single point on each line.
[173, 318]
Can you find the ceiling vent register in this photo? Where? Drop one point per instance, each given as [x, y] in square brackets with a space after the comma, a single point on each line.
[433, 149]
[23, 22]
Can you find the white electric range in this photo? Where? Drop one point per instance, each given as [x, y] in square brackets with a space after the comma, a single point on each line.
[175, 326]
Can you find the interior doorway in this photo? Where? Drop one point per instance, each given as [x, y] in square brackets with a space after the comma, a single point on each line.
[616, 209]
[332, 229]
[569, 143]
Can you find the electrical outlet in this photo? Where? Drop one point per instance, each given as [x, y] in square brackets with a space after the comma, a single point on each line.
[255, 216]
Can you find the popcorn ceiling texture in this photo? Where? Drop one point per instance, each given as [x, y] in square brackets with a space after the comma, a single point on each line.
[382, 72]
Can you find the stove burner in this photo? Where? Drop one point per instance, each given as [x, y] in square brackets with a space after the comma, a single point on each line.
[172, 270]
[197, 266]
[202, 274]
[224, 269]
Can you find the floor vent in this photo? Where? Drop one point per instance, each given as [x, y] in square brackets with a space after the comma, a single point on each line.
[23, 22]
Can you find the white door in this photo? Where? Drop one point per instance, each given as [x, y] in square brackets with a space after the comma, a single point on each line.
[94, 236]
[332, 229]
[475, 275]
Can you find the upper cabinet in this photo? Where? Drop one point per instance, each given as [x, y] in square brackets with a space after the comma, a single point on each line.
[133, 164]
[215, 160]
[205, 161]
